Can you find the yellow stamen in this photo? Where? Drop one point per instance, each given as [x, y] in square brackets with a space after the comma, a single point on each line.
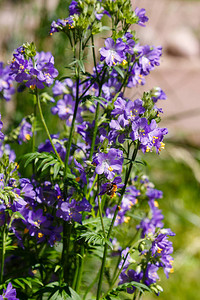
[32, 86]
[159, 250]
[27, 137]
[148, 149]
[77, 179]
[40, 235]
[124, 62]
[162, 146]
[126, 219]
[156, 204]
[110, 169]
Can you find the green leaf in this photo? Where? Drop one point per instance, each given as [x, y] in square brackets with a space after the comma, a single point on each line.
[119, 71]
[57, 268]
[17, 215]
[58, 292]
[19, 283]
[123, 287]
[56, 169]
[81, 65]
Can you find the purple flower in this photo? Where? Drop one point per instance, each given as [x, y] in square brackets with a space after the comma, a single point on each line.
[62, 87]
[151, 275]
[61, 24]
[5, 148]
[140, 13]
[113, 52]
[64, 107]
[150, 57]
[132, 275]
[6, 83]
[130, 43]
[133, 109]
[158, 94]
[71, 210]
[73, 8]
[110, 88]
[25, 133]
[59, 145]
[126, 259]
[33, 75]
[119, 105]
[118, 130]
[109, 163]
[9, 293]
[130, 198]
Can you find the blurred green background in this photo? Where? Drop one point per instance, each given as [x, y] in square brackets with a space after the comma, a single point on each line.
[176, 171]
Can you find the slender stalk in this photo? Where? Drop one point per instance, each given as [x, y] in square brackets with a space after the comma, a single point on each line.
[46, 128]
[113, 221]
[34, 120]
[3, 251]
[67, 229]
[93, 184]
[74, 114]
[81, 263]
[76, 272]
[95, 131]
[116, 270]
[100, 209]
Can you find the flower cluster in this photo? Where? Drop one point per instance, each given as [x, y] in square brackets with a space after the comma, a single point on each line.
[36, 71]
[83, 182]
[152, 232]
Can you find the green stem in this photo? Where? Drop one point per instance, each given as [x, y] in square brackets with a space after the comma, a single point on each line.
[113, 221]
[95, 131]
[100, 209]
[76, 272]
[34, 120]
[93, 184]
[116, 270]
[81, 263]
[3, 251]
[46, 128]
[69, 143]
[67, 229]
[74, 115]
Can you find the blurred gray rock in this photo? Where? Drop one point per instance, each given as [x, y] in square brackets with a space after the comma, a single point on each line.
[182, 42]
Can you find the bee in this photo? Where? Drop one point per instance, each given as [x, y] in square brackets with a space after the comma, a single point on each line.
[111, 189]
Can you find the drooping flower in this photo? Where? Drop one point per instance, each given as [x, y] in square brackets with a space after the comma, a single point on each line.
[142, 19]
